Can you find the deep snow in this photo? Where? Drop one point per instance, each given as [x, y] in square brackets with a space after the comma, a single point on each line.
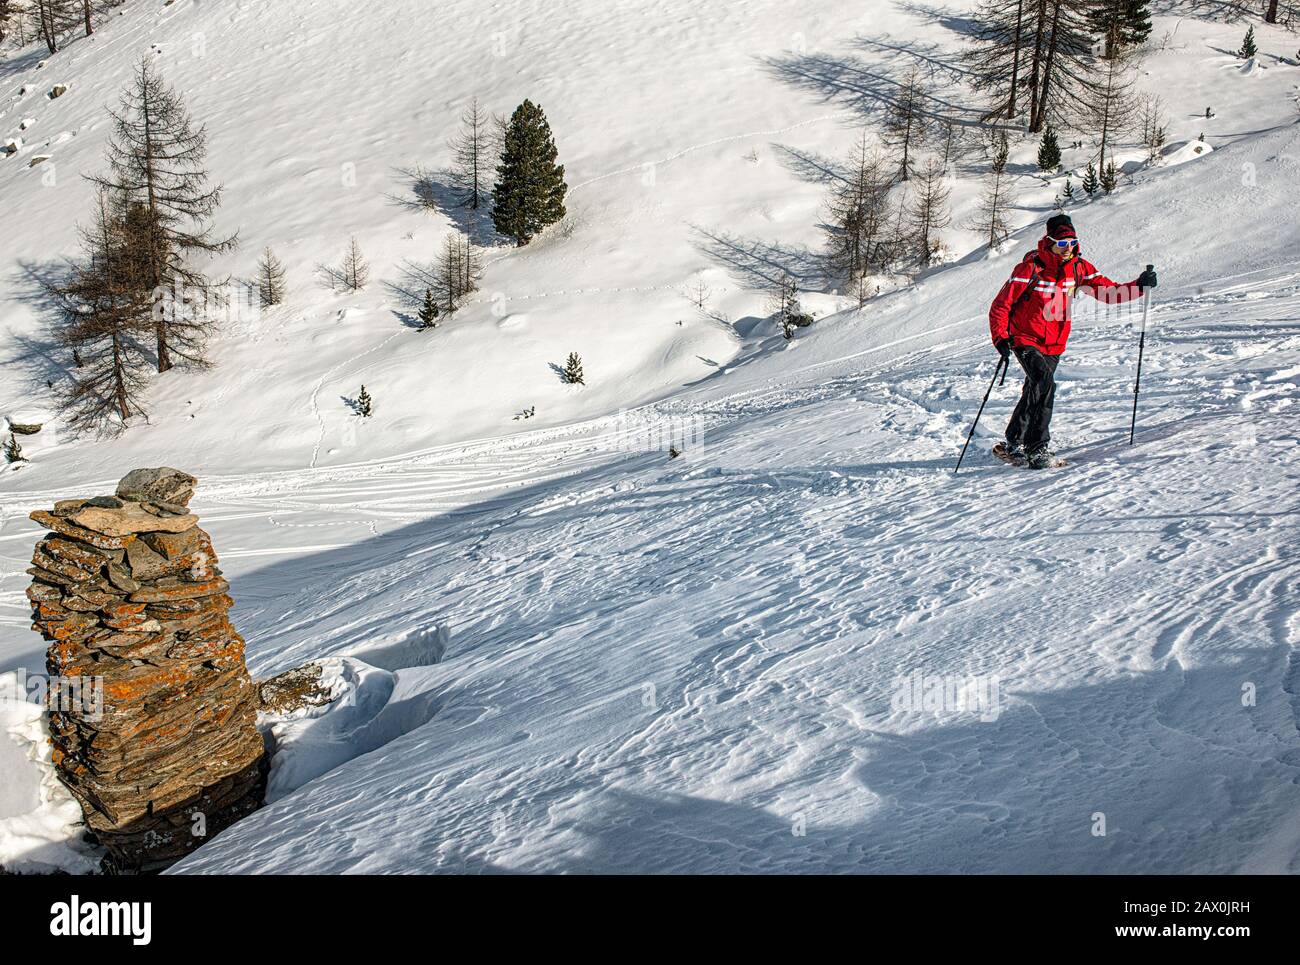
[563, 656]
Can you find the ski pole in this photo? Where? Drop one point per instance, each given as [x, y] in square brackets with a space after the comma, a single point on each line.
[1142, 341]
[1001, 366]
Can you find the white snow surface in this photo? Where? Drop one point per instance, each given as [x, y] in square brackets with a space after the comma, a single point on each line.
[557, 655]
[40, 821]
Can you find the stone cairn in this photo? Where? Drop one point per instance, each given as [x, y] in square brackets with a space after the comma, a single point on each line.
[127, 591]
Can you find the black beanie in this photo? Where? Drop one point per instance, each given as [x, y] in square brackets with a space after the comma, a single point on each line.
[1058, 221]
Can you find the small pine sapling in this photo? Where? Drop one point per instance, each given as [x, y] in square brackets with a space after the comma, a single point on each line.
[365, 404]
[573, 370]
[12, 450]
[428, 311]
[1109, 178]
[1248, 49]
[1049, 152]
[1091, 184]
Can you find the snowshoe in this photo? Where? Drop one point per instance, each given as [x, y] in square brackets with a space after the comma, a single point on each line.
[1043, 458]
[1012, 455]
[1018, 457]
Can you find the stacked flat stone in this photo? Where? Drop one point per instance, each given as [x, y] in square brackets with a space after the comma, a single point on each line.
[126, 588]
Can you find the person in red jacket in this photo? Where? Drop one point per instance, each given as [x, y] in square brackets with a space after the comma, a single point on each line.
[1031, 317]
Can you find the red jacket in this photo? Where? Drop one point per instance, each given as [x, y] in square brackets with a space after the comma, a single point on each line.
[1039, 317]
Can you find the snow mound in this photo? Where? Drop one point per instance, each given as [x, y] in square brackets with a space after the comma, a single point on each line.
[1189, 151]
[366, 710]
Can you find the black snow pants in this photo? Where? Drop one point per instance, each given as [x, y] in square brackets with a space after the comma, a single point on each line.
[1030, 422]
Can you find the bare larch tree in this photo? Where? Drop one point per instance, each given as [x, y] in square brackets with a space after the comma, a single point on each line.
[859, 215]
[105, 308]
[354, 273]
[1111, 105]
[907, 121]
[927, 210]
[1037, 47]
[472, 154]
[991, 218]
[156, 162]
[270, 279]
[457, 271]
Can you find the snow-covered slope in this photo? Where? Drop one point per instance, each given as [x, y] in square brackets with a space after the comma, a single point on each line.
[595, 660]
[678, 666]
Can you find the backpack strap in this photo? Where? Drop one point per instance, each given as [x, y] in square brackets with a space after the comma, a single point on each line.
[1033, 282]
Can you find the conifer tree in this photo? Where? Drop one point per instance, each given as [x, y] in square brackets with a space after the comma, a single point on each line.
[428, 311]
[573, 370]
[1111, 105]
[355, 271]
[859, 215]
[1039, 48]
[105, 305]
[53, 17]
[905, 121]
[997, 61]
[927, 211]
[1049, 151]
[471, 151]
[1154, 126]
[1122, 24]
[1067, 193]
[1248, 48]
[457, 271]
[530, 189]
[783, 302]
[12, 450]
[1091, 184]
[365, 404]
[270, 279]
[1109, 178]
[156, 167]
[992, 214]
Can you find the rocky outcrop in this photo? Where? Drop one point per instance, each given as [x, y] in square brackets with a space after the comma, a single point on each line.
[293, 690]
[165, 751]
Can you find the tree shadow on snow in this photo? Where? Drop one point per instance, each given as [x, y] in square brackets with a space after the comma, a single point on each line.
[40, 358]
[414, 278]
[810, 167]
[439, 191]
[868, 87]
[757, 263]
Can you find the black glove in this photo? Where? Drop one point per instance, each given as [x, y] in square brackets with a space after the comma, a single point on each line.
[1146, 280]
[1003, 345]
